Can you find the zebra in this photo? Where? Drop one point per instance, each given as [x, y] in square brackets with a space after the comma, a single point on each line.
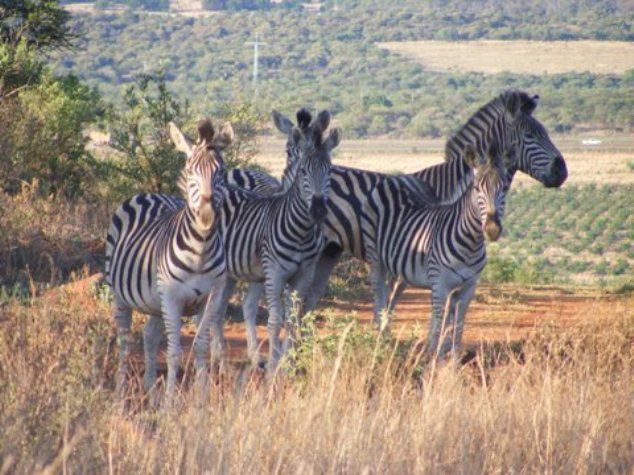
[438, 246]
[261, 183]
[506, 123]
[276, 239]
[164, 258]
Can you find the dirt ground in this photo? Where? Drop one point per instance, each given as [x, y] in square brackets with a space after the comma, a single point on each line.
[497, 313]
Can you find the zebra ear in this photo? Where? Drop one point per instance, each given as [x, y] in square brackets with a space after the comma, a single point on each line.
[322, 121]
[181, 141]
[225, 137]
[283, 124]
[493, 154]
[334, 138]
[205, 131]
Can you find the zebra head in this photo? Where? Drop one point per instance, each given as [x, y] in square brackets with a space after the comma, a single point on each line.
[310, 171]
[529, 147]
[204, 172]
[286, 126]
[490, 186]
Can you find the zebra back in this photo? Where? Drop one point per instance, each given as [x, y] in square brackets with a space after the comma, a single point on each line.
[416, 243]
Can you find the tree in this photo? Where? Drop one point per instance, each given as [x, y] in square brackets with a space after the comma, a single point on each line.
[28, 27]
[39, 24]
[140, 132]
[246, 123]
[42, 117]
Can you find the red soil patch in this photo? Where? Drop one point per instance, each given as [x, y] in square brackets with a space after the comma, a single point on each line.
[497, 313]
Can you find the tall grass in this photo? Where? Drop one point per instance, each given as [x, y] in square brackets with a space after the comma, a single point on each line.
[44, 239]
[559, 402]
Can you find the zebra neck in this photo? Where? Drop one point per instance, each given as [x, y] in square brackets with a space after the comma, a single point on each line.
[297, 209]
[199, 239]
[462, 179]
[486, 126]
[469, 217]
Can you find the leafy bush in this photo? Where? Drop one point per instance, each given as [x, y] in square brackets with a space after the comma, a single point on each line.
[44, 139]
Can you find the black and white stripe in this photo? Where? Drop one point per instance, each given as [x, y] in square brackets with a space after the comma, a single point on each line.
[441, 246]
[164, 257]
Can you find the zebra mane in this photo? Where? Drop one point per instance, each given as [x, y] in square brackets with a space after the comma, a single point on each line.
[473, 131]
[473, 128]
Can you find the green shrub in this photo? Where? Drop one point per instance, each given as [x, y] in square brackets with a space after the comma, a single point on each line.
[43, 137]
[499, 270]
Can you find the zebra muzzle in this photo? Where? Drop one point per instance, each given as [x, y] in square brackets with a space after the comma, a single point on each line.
[492, 227]
[318, 208]
[206, 215]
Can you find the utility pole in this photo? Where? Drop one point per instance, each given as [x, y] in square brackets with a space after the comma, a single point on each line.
[256, 57]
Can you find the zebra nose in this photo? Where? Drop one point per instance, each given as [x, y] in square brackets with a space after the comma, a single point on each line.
[205, 198]
[318, 208]
[558, 173]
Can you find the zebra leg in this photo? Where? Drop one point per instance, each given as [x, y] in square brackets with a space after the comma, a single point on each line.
[152, 334]
[123, 317]
[460, 303]
[378, 275]
[398, 286]
[215, 312]
[323, 269]
[440, 314]
[172, 312]
[250, 312]
[273, 287]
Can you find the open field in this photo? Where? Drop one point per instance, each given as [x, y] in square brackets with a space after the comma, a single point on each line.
[521, 57]
[607, 163]
[541, 389]
[499, 313]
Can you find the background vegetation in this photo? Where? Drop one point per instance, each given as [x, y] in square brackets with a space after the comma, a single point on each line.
[202, 66]
[330, 59]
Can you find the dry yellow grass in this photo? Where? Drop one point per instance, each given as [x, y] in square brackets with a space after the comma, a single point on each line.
[559, 403]
[602, 166]
[523, 57]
